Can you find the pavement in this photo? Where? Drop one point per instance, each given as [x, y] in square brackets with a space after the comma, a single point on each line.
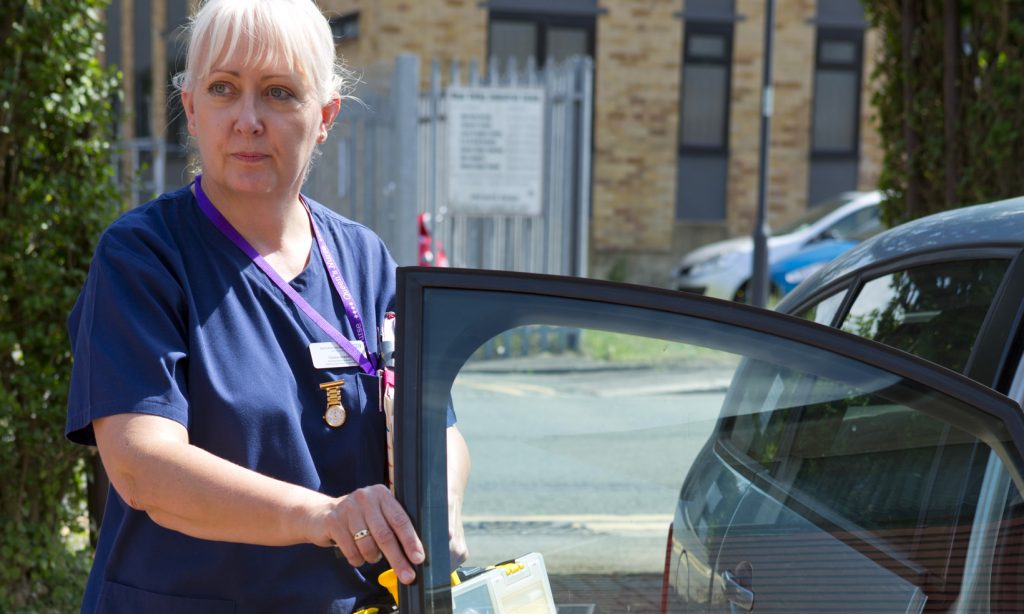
[571, 371]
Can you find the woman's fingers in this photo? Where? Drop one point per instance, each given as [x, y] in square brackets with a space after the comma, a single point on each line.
[375, 525]
[398, 540]
[347, 545]
[366, 546]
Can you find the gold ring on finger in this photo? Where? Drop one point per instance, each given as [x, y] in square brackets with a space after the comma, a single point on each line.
[360, 534]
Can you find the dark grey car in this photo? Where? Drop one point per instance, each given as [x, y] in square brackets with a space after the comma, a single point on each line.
[868, 508]
[737, 459]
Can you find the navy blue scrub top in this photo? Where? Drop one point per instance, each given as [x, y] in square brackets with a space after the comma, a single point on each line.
[175, 321]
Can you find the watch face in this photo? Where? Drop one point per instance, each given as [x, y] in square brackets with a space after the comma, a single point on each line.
[335, 416]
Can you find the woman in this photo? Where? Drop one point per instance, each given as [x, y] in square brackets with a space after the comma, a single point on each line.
[225, 351]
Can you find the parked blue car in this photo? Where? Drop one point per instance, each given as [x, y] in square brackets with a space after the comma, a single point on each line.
[787, 273]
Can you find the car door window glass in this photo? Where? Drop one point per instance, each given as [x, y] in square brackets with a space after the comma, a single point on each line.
[824, 311]
[580, 441]
[884, 467]
[883, 474]
[588, 468]
[934, 311]
[759, 434]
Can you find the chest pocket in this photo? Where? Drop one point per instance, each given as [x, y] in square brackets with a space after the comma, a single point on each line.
[356, 452]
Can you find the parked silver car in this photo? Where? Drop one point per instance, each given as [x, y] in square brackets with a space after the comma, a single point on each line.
[723, 269]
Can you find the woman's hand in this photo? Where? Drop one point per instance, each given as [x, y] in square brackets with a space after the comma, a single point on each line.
[458, 477]
[368, 524]
[457, 548]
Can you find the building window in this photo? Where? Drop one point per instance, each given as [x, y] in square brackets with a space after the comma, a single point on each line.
[835, 115]
[837, 73]
[345, 27]
[707, 58]
[545, 37]
[704, 120]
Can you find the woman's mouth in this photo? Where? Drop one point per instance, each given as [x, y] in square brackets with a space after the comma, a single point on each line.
[249, 156]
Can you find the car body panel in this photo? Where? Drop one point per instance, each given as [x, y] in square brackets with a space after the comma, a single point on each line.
[787, 273]
[447, 314]
[839, 569]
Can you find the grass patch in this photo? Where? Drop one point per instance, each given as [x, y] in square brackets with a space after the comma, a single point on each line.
[604, 346]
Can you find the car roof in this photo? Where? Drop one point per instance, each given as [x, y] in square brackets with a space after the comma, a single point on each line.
[988, 225]
[836, 207]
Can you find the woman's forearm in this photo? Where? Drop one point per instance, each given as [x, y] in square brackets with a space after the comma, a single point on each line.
[181, 487]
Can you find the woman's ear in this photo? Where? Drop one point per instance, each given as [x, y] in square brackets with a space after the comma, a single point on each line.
[328, 113]
[190, 112]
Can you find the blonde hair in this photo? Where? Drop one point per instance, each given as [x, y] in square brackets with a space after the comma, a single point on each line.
[294, 32]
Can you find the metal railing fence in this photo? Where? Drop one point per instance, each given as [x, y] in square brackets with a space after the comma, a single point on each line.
[387, 161]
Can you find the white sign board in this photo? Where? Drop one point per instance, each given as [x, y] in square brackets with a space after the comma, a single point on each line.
[495, 150]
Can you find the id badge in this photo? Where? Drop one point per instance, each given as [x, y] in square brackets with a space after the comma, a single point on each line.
[329, 355]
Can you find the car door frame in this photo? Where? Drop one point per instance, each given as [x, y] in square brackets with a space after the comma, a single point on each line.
[418, 438]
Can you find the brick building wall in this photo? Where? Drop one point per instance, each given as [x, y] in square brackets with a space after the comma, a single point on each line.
[638, 67]
[437, 29]
[623, 242]
[870, 139]
[793, 73]
[745, 116]
[636, 115]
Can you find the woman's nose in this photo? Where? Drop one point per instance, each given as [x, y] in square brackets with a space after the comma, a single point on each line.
[249, 120]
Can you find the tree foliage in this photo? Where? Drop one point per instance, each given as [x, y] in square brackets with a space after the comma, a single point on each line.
[961, 60]
[56, 195]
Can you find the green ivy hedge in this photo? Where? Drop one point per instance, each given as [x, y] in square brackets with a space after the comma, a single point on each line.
[924, 170]
[57, 193]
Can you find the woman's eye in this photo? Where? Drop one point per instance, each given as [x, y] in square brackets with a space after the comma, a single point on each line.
[279, 93]
[219, 89]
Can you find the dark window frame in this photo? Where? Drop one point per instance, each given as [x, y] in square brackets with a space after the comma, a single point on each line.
[543, 22]
[849, 35]
[345, 28]
[725, 29]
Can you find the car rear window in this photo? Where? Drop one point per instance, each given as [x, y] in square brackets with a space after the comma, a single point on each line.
[933, 311]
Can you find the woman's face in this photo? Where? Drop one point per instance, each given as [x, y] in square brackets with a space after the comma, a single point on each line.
[256, 127]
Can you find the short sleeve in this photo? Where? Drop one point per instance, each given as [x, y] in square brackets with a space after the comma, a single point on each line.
[128, 333]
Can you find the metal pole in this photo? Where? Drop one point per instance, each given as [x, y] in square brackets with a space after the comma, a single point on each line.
[405, 94]
[586, 73]
[758, 289]
[435, 116]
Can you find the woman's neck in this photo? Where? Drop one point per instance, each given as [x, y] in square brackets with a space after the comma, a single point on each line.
[277, 227]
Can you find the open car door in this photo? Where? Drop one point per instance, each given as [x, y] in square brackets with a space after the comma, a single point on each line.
[669, 452]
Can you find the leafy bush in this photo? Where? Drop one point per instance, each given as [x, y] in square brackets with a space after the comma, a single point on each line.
[927, 168]
[56, 195]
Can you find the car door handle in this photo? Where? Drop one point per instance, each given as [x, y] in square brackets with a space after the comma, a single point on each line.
[737, 594]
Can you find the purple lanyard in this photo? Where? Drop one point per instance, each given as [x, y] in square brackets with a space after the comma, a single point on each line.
[351, 309]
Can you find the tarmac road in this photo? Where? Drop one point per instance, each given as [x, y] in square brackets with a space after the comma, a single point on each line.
[583, 465]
